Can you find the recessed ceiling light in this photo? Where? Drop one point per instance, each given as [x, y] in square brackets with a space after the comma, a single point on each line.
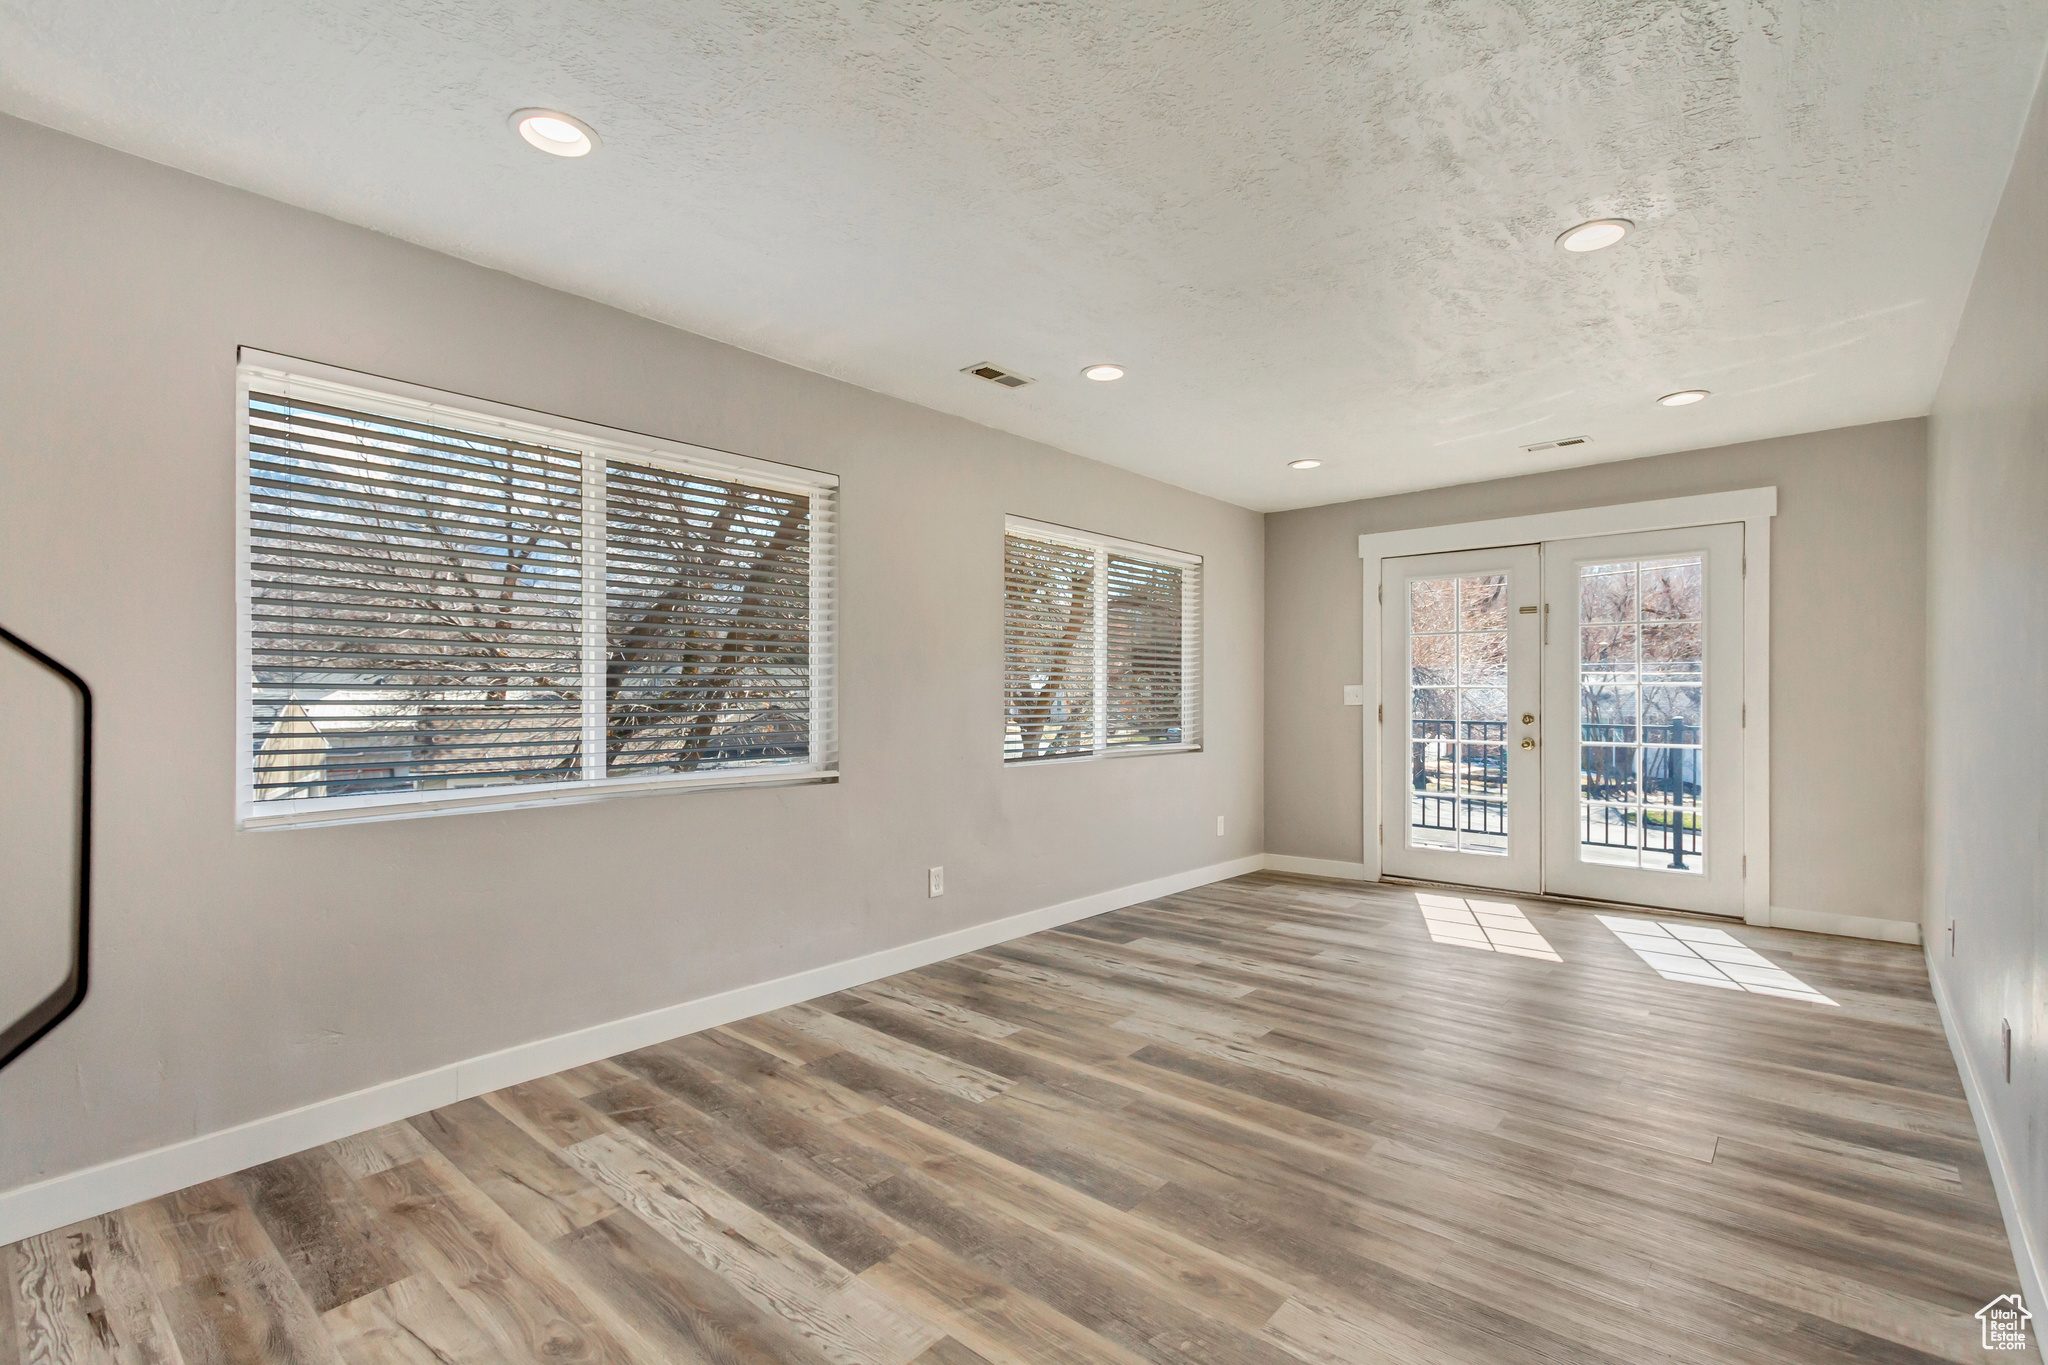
[554, 132]
[1304, 464]
[1103, 373]
[1594, 235]
[1682, 397]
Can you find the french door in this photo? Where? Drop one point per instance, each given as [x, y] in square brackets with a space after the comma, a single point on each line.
[1462, 686]
[1566, 718]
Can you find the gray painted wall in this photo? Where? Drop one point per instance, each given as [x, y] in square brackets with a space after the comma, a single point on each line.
[1987, 688]
[241, 974]
[1847, 635]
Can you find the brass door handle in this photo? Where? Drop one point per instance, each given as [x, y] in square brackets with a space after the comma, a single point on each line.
[1528, 744]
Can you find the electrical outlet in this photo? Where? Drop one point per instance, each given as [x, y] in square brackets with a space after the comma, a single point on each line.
[1219, 824]
[938, 881]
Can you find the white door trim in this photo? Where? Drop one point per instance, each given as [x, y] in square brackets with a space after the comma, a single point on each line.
[1753, 507]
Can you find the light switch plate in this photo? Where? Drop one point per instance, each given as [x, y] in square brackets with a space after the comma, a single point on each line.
[1355, 695]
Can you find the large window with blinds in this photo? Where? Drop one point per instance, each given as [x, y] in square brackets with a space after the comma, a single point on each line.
[1101, 645]
[450, 604]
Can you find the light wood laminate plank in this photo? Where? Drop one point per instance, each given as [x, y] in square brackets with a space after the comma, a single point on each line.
[1263, 1122]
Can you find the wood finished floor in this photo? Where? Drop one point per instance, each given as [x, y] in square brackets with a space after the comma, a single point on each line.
[1266, 1121]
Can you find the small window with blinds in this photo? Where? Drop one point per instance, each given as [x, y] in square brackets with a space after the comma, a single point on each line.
[451, 604]
[1101, 645]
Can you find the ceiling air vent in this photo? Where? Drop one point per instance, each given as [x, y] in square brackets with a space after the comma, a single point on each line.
[995, 374]
[1558, 445]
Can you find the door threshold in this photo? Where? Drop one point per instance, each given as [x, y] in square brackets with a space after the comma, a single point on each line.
[1587, 901]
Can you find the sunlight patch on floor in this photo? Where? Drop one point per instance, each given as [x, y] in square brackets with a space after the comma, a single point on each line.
[1490, 926]
[1706, 956]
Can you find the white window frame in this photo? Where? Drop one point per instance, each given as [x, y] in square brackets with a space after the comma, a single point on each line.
[372, 394]
[1191, 675]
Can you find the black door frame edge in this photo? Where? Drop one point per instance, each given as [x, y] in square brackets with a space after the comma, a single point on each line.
[53, 1010]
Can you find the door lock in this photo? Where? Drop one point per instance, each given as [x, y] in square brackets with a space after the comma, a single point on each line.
[1528, 718]
[1528, 743]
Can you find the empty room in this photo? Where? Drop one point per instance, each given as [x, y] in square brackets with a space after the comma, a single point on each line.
[865, 683]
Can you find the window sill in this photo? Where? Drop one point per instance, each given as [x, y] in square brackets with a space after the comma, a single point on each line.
[1126, 751]
[356, 810]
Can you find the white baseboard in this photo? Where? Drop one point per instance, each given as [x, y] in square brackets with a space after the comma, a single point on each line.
[1319, 867]
[65, 1199]
[2026, 1246]
[1846, 926]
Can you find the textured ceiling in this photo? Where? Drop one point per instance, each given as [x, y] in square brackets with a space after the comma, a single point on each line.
[1307, 229]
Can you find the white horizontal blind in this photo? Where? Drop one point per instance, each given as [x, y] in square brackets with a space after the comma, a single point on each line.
[1102, 645]
[1048, 649]
[708, 641]
[415, 605]
[1147, 651]
[439, 604]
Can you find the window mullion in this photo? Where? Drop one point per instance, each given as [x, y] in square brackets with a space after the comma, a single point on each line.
[1101, 588]
[822, 701]
[592, 568]
[1190, 653]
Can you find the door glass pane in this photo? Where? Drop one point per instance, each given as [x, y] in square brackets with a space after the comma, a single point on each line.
[1607, 592]
[1671, 652]
[1483, 659]
[1433, 605]
[1432, 659]
[1671, 589]
[1483, 706]
[1607, 652]
[1433, 822]
[1607, 772]
[1483, 603]
[1608, 833]
[1458, 713]
[1642, 674]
